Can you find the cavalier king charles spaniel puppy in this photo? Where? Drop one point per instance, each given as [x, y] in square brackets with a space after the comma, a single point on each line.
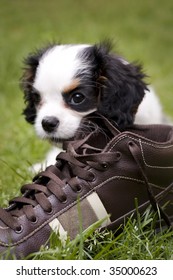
[62, 84]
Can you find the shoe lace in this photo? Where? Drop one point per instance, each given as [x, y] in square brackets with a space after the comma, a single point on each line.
[69, 167]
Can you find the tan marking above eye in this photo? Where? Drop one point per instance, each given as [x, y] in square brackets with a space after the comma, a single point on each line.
[102, 79]
[74, 84]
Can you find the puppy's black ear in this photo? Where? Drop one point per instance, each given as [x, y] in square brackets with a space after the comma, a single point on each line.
[121, 86]
[31, 97]
[26, 84]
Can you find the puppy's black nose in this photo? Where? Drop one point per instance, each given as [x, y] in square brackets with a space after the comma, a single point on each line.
[49, 124]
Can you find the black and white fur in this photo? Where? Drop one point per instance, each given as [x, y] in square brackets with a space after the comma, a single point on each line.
[64, 83]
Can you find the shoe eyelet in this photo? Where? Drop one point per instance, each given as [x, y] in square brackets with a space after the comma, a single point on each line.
[35, 220]
[64, 200]
[19, 229]
[130, 143]
[49, 211]
[79, 189]
[105, 165]
[93, 177]
[118, 155]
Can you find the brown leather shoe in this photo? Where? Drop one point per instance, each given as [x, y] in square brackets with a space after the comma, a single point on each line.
[101, 174]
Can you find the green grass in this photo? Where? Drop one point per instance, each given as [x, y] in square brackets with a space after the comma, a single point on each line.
[138, 240]
[141, 30]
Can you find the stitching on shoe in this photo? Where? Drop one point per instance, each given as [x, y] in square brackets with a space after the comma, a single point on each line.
[70, 205]
[63, 210]
[155, 146]
[4, 227]
[142, 151]
[151, 166]
[43, 224]
[119, 178]
[144, 142]
[95, 188]
[121, 138]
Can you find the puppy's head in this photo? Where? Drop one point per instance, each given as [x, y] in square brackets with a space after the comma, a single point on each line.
[64, 83]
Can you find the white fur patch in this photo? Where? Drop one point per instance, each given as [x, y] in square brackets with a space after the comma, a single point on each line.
[57, 68]
[150, 109]
[56, 71]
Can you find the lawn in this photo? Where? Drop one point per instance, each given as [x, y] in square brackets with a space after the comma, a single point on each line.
[141, 30]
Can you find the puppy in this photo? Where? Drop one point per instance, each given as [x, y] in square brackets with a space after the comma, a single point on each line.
[62, 84]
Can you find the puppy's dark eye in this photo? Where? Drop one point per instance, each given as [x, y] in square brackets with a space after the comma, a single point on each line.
[77, 98]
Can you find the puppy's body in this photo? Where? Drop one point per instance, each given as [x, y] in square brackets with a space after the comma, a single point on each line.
[64, 83]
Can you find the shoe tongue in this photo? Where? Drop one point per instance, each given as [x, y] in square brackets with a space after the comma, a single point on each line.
[103, 124]
[97, 133]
